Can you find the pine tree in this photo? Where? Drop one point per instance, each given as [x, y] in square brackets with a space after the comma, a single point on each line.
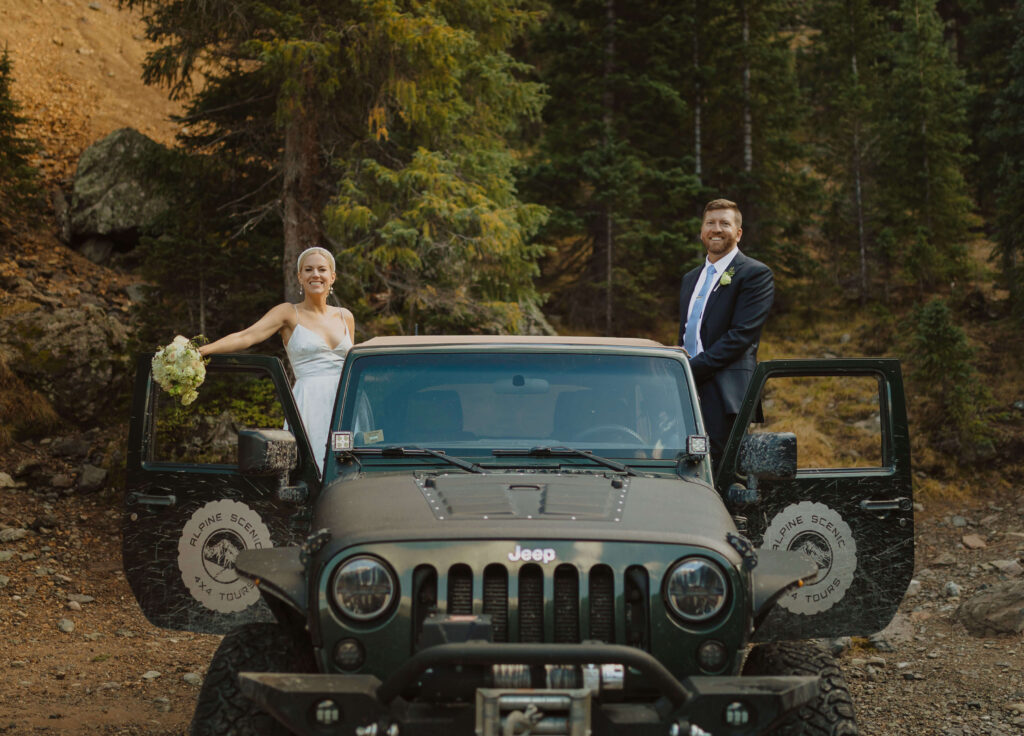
[843, 81]
[18, 183]
[754, 115]
[956, 401]
[313, 102]
[1008, 135]
[614, 162]
[923, 144]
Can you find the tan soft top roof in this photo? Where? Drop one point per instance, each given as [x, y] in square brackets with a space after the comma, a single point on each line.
[424, 340]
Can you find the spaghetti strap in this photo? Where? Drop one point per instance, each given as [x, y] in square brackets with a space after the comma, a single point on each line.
[344, 324]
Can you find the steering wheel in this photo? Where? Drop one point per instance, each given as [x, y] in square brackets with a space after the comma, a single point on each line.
[609, 429]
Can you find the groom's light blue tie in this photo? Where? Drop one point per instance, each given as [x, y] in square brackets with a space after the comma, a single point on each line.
[693, 323]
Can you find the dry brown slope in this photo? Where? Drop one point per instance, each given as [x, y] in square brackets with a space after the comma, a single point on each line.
[77, 67]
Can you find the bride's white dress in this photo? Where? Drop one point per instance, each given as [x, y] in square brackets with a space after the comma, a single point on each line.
[317, 368]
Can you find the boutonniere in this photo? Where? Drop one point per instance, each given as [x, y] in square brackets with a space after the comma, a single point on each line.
[726, 278]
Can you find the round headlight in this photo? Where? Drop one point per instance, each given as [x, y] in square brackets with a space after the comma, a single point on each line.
[696, 589]
[364, 588]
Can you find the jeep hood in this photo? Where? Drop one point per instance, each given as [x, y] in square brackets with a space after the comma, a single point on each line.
[520, 505]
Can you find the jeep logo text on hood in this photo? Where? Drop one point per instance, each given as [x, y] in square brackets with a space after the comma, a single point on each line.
[544, 555]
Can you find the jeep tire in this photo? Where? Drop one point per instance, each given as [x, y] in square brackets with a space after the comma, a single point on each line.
[831, 712]
[221, 707]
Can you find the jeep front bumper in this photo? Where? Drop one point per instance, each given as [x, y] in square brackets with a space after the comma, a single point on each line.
[315, 704]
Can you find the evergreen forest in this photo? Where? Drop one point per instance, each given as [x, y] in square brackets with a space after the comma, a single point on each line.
[471, 161]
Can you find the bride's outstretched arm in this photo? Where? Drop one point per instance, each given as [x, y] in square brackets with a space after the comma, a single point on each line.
[273, 321]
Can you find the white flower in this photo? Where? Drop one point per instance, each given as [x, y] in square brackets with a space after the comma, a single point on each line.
[179, 369]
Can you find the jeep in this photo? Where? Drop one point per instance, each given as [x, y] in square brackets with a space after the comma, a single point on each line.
[519, 535]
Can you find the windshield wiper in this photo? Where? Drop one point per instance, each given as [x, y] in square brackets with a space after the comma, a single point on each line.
[562, 451]
[399, 451]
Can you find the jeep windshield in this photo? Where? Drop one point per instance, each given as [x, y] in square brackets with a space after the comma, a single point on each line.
[472, 404]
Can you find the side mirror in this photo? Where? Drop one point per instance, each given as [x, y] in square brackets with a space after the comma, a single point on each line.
[266, 451]
[768, 455]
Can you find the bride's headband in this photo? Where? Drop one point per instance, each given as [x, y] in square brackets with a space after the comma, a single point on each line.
[315, 249]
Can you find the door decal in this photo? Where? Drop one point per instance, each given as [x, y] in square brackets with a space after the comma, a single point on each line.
[210, 541]
[820, 533]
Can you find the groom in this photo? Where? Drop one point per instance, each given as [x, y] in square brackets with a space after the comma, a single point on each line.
[723, 305]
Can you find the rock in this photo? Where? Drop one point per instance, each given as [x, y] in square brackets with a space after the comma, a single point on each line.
[958, 522]
[76, 357]
[998, 609]
[192, 678]
[5, 555]
[66, 625]
[74, 606]
[61, 214]
[12, 535]
[881, 643]
[4, 580]
[97, 250]
[115, 193]
[1010, 568]
[151, 675]
[944, 560]
[973, 541]
[137, 292]
[92, 478]
[839, 646]
[46, 521]
[80, 598]
[110, 686]
[62, 480]
[7, 481]
[913, 589]
[75, 446]
[952, 590]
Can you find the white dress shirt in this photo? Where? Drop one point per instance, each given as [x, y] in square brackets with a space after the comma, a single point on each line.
[721, 266]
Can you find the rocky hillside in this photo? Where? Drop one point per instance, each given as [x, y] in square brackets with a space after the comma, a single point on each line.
[77, 67]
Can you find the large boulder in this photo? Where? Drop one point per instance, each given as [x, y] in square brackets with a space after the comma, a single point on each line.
[995, 610]
[115, 193]
[77, 356]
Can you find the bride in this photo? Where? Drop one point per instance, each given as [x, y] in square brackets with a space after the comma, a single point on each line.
[316, 337]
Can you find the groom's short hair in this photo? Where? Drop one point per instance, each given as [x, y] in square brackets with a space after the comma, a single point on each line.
[724, 204]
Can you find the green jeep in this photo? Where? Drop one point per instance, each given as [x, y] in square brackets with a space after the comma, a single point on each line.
[522, 535]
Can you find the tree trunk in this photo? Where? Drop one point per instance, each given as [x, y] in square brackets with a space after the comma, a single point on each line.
[858, 191]
[748, 124]
[299, 201]
[609, 103]
[697, 91]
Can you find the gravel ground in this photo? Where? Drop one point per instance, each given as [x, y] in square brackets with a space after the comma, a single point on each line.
[79, 658]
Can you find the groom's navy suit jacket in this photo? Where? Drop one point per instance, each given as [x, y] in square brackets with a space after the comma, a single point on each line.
[730, 333]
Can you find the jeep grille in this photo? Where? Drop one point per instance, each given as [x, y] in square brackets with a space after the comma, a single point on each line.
[516, 600]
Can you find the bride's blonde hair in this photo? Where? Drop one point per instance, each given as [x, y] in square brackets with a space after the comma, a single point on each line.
[310, 251]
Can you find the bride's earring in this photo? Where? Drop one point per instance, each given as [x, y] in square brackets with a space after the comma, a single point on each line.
[300, 289]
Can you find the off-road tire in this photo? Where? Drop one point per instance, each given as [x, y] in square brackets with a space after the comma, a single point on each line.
[222, 710]
[831, 712]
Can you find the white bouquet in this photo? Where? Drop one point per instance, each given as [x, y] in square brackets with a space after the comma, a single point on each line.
[179, 369]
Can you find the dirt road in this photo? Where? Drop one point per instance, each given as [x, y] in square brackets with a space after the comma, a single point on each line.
[78, 657]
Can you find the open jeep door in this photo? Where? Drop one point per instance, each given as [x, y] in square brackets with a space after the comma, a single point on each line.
[190, 508]
[849, 505]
